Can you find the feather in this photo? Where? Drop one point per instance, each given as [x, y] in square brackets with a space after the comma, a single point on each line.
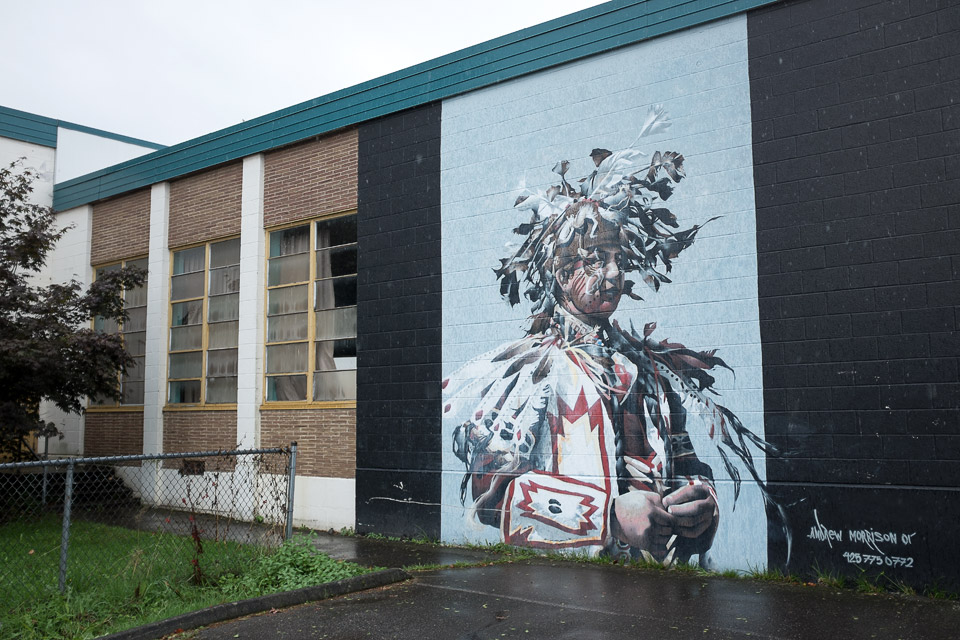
[520, 364]
[599, 155]
[657, 121]
[543, 369]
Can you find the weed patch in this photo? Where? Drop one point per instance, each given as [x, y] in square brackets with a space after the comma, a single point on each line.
[121, 578]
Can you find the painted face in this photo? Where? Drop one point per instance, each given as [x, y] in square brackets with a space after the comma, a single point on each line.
[592, 286]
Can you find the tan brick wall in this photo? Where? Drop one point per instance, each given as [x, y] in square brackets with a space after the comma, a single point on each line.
[205, 206]
[310, 179]
[121, 228]
[199, 431]
[117, 433]
[326, 439]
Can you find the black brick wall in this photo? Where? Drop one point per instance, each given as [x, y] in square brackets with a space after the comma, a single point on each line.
[856, 127]
[399, 324]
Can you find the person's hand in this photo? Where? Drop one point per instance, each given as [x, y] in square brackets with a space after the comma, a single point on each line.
[643, 522]
[694, 510]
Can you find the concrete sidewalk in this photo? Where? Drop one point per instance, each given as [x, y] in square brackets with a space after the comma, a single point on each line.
[552, 599]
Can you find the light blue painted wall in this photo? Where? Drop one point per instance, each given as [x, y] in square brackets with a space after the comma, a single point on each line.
[499, 140]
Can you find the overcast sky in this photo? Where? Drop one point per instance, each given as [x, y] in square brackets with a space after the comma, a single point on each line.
[171, 70]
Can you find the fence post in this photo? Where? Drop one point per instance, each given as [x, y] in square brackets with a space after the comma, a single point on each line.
[291, 477]
[46, 457]
[65, 533]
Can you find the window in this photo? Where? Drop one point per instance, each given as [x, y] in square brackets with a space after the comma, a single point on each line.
[312, 312]
[204, 324]
[134, 332]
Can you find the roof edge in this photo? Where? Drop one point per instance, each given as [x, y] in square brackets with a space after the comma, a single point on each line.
[565, 39]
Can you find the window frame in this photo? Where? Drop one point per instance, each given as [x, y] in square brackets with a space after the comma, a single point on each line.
[119, 406]
[202, 405]
[309, 402]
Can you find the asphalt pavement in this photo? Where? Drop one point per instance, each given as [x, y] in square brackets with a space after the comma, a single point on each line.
[561, 599]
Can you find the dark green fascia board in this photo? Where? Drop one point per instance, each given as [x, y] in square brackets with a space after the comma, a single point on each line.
[37, 129]
[578, 35]
[28, 127]
[110, 135]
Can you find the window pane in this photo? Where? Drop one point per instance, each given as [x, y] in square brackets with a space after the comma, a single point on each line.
[225, 253]
[281, 388]
[221, 390]
[134, 371]
[337, 323]
[337, 262]
[186, 365]
[223, 335]
[288, 269]
[289, 241]
[136, 297]
[133, 383]
[105, 325]
[184, 391]
[336, 354]
[225, 280]
[287, 358]
[339, 292]
[103, 270]
[186, 313]
[136, 343]
[287, 300]
[183, 338]
[335, 385]
[188, 286]
[222, 308]
[132, 392]
[337, 231]
[102, 401]
[188, 260]
[136, 320]
[222, 363]
[286, 328]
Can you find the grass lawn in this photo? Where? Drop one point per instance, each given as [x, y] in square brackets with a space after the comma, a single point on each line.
[120, 578]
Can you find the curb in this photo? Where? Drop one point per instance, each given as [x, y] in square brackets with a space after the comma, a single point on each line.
[231, 610]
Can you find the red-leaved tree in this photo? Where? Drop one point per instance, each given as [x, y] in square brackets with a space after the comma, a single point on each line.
[48, 350]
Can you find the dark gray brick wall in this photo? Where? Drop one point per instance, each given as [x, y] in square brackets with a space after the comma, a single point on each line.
[399, 324]
[856, 124]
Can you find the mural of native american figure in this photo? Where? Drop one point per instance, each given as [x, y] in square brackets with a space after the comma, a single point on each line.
[577, 435]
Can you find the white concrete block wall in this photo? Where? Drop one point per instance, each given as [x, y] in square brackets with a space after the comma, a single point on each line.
[252, 288]
[158, 303]
[503, 139]
[38, 158]
[324, 503]
[69, 260]
[80, 153]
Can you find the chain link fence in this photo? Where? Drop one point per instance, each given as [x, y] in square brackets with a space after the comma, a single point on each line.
[124, 522]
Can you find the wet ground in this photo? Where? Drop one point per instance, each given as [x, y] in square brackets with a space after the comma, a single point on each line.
[542, 599]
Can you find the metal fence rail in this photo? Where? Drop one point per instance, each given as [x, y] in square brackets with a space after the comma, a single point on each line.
[132, 522]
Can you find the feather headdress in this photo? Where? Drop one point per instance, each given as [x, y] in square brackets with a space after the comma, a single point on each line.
[622, 198]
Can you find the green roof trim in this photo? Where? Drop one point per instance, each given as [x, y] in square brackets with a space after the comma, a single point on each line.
[28, 127]
[110, 135]
[584, 33]
[37, 129]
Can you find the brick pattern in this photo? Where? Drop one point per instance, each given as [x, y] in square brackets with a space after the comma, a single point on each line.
[205, 206]
[121, 228]
[399, 323]
[326, 439]
[857, 167]
[856, 125]
[199, 431]
[310, 179]
[113, 434]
